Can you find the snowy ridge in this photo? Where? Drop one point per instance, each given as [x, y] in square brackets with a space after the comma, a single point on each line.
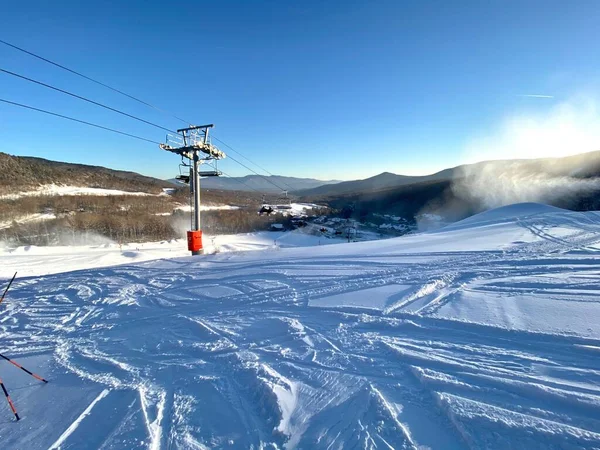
[55, 189]
[477, 336]
[506, 214]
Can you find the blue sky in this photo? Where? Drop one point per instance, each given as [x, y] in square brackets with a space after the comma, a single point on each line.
[335, 89]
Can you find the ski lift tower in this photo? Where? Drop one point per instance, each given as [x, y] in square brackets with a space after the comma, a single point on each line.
[194, 144]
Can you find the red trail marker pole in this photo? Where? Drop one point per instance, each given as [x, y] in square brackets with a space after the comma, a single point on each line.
[8, 287]
[10, 403]
[14, 363]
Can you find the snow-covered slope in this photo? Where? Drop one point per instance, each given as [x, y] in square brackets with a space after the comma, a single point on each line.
[35, 261]
[506, 214]
[483, 335]
[53, 189]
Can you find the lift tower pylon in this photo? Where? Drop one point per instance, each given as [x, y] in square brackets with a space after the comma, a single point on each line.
[194, 144]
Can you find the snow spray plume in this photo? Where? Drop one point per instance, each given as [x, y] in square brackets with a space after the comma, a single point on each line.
[568, 128]
[498, 183]
[181, 223]
[56, 235]
[74, 238]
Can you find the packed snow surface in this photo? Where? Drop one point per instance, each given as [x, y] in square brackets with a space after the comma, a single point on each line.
[32, 260]
[482, 335]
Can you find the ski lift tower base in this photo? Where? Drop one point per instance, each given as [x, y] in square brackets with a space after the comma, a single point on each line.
[194, 239]
[190, 143]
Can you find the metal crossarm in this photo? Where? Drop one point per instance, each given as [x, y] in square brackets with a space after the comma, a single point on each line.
[188, 151]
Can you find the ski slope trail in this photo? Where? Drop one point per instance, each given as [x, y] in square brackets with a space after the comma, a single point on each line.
[481, 335]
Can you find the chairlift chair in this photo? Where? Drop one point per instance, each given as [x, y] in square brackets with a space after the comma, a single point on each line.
[265, 209]
[183, 177]
[284, 202]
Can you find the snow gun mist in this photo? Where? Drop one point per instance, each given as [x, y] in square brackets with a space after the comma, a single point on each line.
[567, 128]
[527, 158]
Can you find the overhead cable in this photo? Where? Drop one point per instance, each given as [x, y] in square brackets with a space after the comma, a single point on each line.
[255, 172]
[247, 159]
[240, 181]
[8, 72]
[92, 80]
[79, 121]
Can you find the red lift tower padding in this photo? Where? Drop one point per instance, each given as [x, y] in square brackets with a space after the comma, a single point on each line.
[194, 240]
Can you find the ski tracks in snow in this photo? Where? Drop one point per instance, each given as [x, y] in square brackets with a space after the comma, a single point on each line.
[324, 352]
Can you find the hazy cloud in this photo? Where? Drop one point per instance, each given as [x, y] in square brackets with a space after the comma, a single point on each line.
[565, 128]
[535, 96]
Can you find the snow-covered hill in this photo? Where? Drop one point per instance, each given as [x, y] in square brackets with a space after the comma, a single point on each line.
[481, 335]
[26, 173]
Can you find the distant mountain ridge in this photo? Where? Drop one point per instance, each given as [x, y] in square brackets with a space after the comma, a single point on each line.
[378, 182]
[18, 173]
[267, 184]
[583, 165]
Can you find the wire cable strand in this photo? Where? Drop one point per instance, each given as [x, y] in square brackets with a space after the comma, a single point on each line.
[92, 80]
[8, 72]
[235, 151]
[237, 180]
[79, 121]
[250, 161]
[255, 172]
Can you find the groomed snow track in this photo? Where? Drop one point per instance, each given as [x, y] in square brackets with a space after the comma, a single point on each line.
[484, 335]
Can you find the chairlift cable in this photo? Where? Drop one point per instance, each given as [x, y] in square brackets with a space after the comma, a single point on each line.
[237, 180]
[79, 121]
[8, 72]
[93, 80]
[255, 172]
[247, 159]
